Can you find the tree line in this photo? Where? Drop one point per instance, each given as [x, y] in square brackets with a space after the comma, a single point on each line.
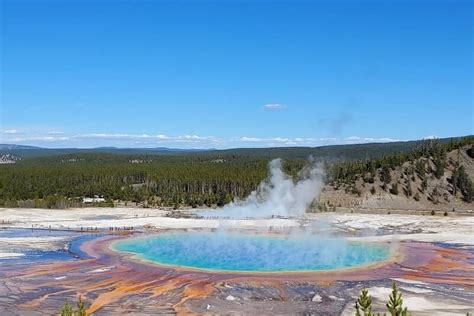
[192, 179]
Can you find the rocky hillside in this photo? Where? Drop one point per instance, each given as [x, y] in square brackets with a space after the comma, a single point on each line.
[434, 179]
[9, 158]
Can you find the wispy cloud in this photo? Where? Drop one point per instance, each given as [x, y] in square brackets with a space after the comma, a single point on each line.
[10, 131]
[274, 106]
[357, 140]
[54, 138]
[30, 139]
[246, 139]
[300, 141]
[157, 138]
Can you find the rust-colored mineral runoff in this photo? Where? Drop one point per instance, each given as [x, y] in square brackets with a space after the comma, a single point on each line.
[114, 283]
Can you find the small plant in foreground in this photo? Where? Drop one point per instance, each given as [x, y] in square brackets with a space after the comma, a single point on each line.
[81, 308]
[394, 306]
[67, 309]
[395, 303]
[364, 304]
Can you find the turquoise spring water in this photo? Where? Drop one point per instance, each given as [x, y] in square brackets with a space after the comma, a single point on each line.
[258, 253]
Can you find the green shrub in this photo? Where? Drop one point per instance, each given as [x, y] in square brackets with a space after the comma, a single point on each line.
[394, 189]
[395, 307]
[67, 309]
[416, 196]
[395, 303]
[364, 304]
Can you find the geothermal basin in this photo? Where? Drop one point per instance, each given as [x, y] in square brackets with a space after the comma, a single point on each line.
[244, 252]
[315, 264]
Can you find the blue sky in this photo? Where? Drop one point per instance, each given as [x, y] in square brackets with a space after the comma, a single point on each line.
[229, 73]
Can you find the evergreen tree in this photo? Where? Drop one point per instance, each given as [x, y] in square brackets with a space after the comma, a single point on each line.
[461, 181]
[470, 152]
[81, 307]
[439, 164]
[385, 176]
[395, 303]
[66, 310]
[420, 168]
[364, 304]
[424, 184]
[394, 189]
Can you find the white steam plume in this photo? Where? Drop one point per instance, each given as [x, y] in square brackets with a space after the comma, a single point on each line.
[279, 195]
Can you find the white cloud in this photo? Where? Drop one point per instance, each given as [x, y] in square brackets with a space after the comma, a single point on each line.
[57, 138]
[274, 106]
[113, 136]
[10, 131]
[251, 139]
[312, 142]
[157, 138]
[38, 139]
[192, 137]
[357, 139]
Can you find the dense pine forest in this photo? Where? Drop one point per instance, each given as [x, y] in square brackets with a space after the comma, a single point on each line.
[154, 180]
[211, 178]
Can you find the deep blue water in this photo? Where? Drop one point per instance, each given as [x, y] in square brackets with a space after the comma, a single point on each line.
[71, 249]
[242, 252]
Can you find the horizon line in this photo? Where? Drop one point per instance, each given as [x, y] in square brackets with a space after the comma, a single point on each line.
[231, 148]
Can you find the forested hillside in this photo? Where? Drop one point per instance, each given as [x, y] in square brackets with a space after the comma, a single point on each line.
[431, 171]
[433, 176]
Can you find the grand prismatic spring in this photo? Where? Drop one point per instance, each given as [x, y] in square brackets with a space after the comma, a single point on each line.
[253, 253]
[262, 253]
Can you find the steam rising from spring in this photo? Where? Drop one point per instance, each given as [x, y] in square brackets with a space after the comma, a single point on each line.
[310, 246]
[279, 195]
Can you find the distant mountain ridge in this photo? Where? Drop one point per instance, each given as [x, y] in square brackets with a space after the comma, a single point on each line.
[14, 146]
[32, 152]
[356, 151]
